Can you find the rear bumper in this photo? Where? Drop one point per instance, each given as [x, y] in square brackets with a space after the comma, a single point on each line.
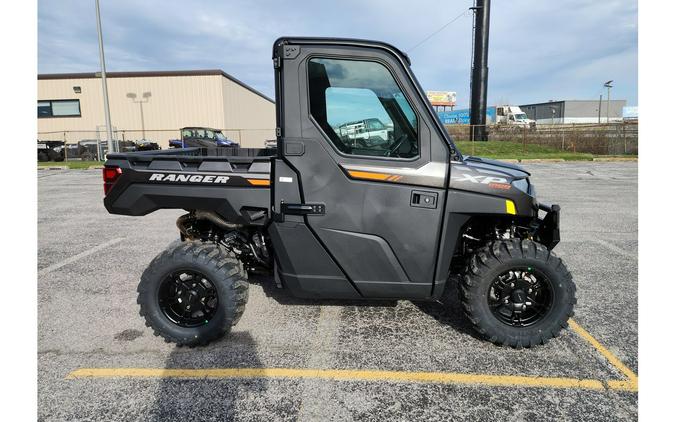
[548, 228]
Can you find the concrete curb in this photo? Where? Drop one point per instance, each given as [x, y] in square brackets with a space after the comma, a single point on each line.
[53, 168]
[560, 160]
[42, 168]
[614, 159]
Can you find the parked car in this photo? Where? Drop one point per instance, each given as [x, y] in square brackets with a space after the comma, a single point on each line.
[50, 151]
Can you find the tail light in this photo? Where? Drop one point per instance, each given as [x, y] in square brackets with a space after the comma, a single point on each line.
[110, 176]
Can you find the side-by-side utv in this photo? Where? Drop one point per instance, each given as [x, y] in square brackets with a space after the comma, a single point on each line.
[395, 212]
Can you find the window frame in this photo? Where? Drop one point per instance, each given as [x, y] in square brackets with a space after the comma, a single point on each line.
[51, 108]
[392, 73]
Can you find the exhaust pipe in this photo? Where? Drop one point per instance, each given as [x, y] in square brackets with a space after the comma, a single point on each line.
[204, 215]
[216, 219]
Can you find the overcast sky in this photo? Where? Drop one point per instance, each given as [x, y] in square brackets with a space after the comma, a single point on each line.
[539, 50]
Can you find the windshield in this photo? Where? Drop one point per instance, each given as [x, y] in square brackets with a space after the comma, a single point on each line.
[220, 136]
[521, 116]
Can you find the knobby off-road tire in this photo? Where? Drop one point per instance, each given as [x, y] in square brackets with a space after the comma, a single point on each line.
[497, 258]
[224, 273]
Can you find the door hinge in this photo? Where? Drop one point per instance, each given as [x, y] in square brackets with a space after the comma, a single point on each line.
[278, 132]
[277, 62]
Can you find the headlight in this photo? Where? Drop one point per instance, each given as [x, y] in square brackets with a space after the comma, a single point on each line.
[58, 149]
[521, 184]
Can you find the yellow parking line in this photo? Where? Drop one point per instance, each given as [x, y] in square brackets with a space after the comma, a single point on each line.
[632, 383]
[341, 374]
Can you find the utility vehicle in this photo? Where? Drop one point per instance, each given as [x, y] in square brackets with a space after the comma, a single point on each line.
[339, 221]
[202, 137]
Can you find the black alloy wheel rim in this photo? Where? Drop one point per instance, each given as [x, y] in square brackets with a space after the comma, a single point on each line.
[187, 298]
[520, 297]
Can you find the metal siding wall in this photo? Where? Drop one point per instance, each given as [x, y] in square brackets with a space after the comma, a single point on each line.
[589, 109]
[249, 118]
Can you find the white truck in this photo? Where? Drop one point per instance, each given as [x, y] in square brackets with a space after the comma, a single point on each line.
[369, 131]
[512, 116]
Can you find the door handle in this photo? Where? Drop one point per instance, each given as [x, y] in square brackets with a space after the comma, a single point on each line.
[303, 209]
[423, 199]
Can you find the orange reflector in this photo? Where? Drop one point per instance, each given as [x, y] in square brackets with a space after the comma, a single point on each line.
[259, 182]
[370, 175]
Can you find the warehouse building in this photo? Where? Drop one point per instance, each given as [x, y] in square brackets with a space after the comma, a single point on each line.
[153, 106]
[575, 111]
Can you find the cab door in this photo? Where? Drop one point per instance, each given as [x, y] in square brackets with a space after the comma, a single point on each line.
[375, 204]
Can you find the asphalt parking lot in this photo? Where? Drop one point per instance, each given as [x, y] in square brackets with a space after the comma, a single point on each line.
[300, 360]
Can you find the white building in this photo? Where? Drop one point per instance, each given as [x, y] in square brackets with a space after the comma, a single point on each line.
[153, 105]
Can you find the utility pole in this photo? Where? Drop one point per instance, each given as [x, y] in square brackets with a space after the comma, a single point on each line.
[104, 82]
[599, 108]
[608, 85]
[479, 69]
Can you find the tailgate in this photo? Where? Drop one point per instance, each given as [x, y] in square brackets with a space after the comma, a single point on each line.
[229, 187]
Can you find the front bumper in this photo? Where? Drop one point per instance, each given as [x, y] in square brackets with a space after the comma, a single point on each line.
[548, 228]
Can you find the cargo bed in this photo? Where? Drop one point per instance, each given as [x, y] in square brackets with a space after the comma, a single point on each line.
[234, 182]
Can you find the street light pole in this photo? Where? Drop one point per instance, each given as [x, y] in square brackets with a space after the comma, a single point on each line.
[608, 85]
[140, 103]
[146, 98]
[104, 82]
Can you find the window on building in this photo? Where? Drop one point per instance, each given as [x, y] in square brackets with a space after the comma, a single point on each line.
[58, 108]
[362, 109]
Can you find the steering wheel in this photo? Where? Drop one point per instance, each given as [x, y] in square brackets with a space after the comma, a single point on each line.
[397, 145]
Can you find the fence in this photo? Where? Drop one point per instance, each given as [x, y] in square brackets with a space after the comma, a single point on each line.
[601, 139]
[91, 145]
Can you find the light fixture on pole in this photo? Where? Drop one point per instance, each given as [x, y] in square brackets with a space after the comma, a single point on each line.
[146, 97]
[609, 86]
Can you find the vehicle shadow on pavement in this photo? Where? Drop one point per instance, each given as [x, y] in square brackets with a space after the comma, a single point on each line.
[284, 297]
[203, 399]
[449, 312]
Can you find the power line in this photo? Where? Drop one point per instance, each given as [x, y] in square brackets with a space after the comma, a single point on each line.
[464, 13]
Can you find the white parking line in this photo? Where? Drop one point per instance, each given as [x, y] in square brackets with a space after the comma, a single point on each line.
[72, 259]
[615, 248]
[607, 245]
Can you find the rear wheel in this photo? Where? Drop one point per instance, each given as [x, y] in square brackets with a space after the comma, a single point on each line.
[517, 293]
[193, 293]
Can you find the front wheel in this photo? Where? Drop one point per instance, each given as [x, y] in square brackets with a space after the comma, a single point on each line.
[193, 293]
[517, 293]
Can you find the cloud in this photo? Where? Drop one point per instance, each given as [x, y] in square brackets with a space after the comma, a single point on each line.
[539, 50]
